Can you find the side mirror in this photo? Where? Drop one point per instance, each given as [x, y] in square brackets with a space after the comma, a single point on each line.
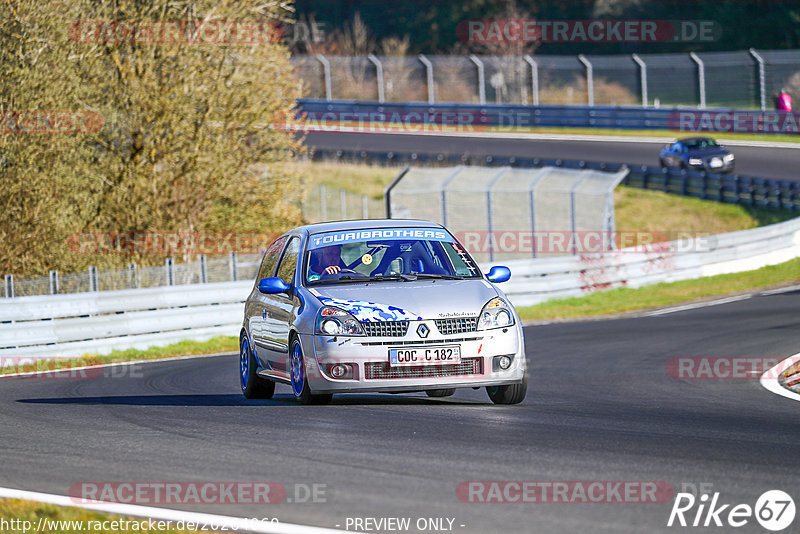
[270, 286]
[499, 274]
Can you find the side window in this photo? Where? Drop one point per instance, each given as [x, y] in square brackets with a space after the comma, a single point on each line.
[271, 258]
[289, 261]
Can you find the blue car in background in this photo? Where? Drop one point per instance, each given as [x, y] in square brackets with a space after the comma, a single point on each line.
[698, 154]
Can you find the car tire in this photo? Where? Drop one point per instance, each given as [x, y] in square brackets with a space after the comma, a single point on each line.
[300, 387]
[253, 386]
[510, 394]
[445, 392]
[663, 163]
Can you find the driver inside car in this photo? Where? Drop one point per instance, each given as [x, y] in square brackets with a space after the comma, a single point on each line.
[327, 260]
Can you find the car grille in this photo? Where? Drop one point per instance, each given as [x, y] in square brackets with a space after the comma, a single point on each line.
[383, 371]
[386, 328]
[457, 326]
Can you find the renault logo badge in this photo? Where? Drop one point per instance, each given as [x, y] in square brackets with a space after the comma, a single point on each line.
[423, 330]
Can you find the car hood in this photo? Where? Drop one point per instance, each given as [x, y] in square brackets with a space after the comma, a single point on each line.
[398, 301]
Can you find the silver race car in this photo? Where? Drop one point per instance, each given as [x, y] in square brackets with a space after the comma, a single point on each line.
[378, 306]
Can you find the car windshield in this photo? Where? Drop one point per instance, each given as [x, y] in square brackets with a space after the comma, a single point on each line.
[402, 254]
[700, 144]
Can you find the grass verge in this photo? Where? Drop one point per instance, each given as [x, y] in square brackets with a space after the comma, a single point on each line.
[622, 300]
[24, 517]
[183, 348]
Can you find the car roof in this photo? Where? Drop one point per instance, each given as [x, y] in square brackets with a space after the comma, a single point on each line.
[362, 224]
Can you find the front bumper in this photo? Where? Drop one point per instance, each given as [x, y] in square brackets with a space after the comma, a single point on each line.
[368, 356]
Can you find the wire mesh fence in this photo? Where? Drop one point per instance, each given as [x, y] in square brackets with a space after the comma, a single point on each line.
[505, 213]
[724, 79]
[203, 270]
[325, 203]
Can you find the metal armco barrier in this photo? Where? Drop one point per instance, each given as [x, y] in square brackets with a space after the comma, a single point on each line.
[728, 188]
[49, 326]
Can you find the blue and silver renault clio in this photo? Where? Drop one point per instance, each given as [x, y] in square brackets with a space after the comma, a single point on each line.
[378, 306]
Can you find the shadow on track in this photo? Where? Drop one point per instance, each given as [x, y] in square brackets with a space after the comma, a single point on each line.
[238, 400]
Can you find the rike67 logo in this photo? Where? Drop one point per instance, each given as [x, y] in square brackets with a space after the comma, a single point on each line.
[774, 510]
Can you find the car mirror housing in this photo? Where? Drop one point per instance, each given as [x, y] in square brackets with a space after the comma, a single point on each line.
[272, 285]
[499, 274]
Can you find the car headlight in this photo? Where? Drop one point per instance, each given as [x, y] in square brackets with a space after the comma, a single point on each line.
[695, 161]
[495, 314]
[336, 322]
[728, 158]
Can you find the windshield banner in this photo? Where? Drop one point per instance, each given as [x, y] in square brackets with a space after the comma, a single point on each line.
[379, 234]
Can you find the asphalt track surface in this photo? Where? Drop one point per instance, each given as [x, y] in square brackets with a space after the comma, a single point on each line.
[600, 406]
[761, 162]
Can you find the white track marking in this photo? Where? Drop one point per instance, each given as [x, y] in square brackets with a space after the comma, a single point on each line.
[697, 305]
[770, 378]
[100, 365]
[166, 514]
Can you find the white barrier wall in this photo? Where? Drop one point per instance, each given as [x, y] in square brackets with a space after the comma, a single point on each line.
[75, 324]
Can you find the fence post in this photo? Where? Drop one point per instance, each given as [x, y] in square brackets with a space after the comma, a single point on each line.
[133, 275]
[701, 77]
[364, 207]
[387, 193]
[203, 269]
[379, 75]
[762, 79]
[168, 265]
[323, 207]
[326, 71]
[429, 71]
[93, 286]
[343, 204]
[444, 192]
[234, 268]
[642, 77]
[489, 222]
[589, 79]
[572, 223]
[9, 280]
[54, 282]
[481, 79]
[534, 78]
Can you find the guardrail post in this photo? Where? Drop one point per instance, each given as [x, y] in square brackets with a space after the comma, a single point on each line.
[429, 77]
[54, 282]
[9, 282]
[133, 275]
[378, 75]
[343, 204]
[170, 272]
[93, 286]
[323, 207]
[481, 79]
[642, 77]
[364, 207]
[326, 72]
[762, 79]
[589, 79]
[203, 269]
[701, 77]
[534, 78]
[233, 266]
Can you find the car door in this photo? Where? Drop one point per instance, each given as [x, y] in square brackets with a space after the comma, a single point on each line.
[255, 309]
[280, 311]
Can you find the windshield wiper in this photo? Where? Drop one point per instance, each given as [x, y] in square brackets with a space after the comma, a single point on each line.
[345, 278]
[398, 276]
[438, 276]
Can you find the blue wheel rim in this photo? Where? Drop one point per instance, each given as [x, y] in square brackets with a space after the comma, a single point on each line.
[244, 362]
[297, 370]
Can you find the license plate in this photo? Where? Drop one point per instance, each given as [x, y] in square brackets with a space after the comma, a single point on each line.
[435, 355]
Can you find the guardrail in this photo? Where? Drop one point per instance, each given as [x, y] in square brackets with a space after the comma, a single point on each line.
[727, 188]
[75, 324]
